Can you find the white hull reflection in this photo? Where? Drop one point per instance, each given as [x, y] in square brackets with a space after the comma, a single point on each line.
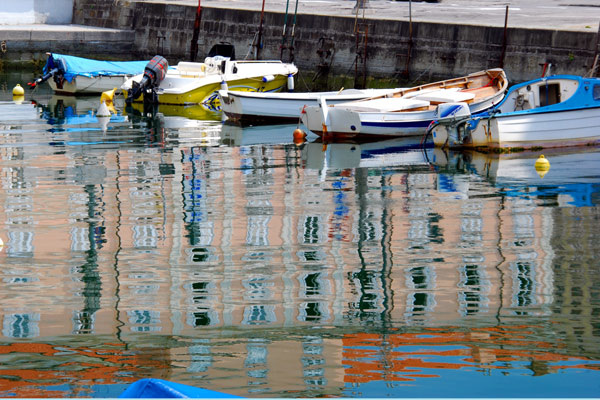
[386, 153]
[570, 179]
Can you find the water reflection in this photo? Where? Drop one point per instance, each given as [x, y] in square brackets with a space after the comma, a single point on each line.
[572, 178]
[185, 248]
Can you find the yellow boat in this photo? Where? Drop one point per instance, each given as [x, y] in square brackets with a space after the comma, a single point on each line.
[194, 111]
[198, 83]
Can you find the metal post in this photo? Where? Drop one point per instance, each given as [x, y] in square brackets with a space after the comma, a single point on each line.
[194, 44]
[284, 32]
[410, 39]
[504, 39]
[260, 28]
[595, 63]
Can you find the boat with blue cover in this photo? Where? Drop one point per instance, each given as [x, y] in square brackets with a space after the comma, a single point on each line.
[159, 388]
[78, 75]
[554, 111]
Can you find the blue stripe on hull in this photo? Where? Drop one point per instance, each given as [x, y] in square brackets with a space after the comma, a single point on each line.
[397, 124]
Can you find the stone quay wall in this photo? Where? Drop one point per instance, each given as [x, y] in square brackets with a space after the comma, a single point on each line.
[438, 50]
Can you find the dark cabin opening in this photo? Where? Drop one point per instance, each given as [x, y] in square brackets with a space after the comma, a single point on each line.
[549, 94]
[224, 49]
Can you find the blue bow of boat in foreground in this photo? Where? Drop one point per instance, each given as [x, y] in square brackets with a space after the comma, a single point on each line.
[158, 388]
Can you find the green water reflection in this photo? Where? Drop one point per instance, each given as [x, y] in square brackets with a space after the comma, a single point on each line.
[236, 260]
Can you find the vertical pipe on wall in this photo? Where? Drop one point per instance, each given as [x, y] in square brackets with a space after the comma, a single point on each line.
[410, 40]
[194, 44]
[260, 29]
[504, 39]
[595, 59]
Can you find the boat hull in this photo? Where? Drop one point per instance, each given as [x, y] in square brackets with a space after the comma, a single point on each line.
[556, 111]
[208, 95]
[552, 129]
[246, 108]
[347, 123]
[396, 116]
[88, 85]
[199, 83]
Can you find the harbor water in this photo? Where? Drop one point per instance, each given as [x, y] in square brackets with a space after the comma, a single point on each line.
[179, 247]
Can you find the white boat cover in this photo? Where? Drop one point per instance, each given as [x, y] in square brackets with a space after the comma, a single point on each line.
[385, 104]
[446, 96]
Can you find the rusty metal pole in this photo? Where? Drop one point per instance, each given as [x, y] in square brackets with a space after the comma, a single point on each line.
[410, 40]
[194, 44]
[260, 29]
[364, 83]
[595, 62]
[504, 39]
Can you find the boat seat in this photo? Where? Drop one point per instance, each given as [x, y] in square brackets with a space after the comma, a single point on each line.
[446, 96]
[482, 92]
[191, 66]
[385, 104]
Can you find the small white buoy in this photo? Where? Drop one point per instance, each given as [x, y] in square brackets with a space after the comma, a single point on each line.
[103, 114]
[224, 85]
[103, 110]
[268, 78]
[1, 244]
[290, 83]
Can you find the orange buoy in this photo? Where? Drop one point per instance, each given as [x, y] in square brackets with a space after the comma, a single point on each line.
[299, 136]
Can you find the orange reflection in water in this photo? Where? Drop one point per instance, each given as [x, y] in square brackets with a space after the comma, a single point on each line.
[378, 357]
[81, 368]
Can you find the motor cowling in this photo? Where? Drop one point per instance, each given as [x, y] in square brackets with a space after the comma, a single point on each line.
[55, 68]
[154, 73]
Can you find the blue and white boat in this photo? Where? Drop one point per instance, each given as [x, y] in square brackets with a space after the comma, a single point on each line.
[555, 111]
[404, 112]
[78, 75]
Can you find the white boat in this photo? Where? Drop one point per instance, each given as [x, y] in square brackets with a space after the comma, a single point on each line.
[252, 108]
[555, 111]
[404, 112]
[77, 75]
[198, 83]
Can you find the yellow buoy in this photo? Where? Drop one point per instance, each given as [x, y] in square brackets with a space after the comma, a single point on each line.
[542, 165]
[18, 90]
[107, 97]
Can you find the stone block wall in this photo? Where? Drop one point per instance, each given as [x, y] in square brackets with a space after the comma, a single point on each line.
[437, 51]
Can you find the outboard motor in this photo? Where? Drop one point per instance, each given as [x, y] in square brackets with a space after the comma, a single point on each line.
[55, 69]
[154, 73]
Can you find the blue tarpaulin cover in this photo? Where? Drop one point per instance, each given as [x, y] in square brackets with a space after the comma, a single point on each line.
[92, 68]
[158, 388]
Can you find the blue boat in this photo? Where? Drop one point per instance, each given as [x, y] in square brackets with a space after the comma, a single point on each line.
[151, 388]
[555, 111]
[77, 75]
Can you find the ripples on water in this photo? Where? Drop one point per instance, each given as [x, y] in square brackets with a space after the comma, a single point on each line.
[232, 259]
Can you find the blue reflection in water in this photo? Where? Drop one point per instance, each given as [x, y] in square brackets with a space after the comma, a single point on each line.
[351, 269]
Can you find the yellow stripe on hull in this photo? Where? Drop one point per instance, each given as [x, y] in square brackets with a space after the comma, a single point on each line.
[208, 95]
